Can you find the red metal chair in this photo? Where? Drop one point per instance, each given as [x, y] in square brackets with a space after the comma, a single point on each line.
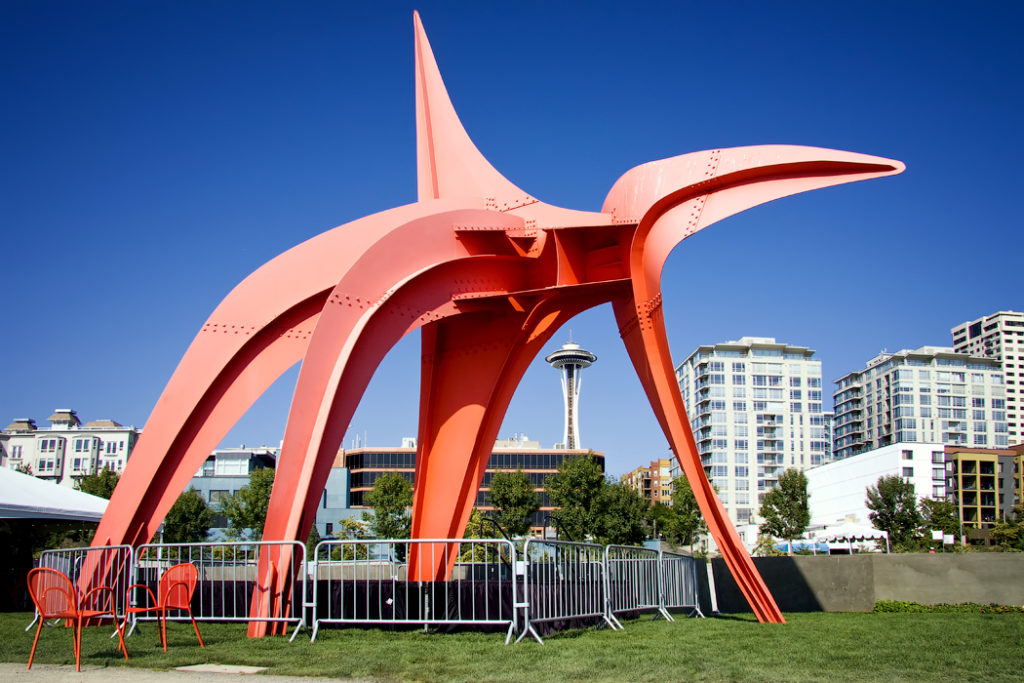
[175, 590]
[55, 597]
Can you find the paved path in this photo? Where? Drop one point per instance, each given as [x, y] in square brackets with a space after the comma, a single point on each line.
[120, 674]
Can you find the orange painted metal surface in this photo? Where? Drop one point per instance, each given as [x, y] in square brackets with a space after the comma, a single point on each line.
[488, 274]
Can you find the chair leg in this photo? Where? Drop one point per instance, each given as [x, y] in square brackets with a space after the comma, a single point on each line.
[78, 646]
[163, 627]
[120, 636]
[34, 641]
[195, 627]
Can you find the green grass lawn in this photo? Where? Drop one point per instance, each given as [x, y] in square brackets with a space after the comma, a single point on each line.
[811, 647]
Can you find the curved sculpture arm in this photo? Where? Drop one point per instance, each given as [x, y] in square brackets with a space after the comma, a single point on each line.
[261, 329]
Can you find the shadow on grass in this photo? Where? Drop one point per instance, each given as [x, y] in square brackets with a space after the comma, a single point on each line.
[750, 619]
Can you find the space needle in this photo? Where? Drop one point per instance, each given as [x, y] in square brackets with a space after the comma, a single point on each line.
[570, 359]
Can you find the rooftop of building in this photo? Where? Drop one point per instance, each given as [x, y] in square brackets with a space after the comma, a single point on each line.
[924, 353]
[743, 345]
[985, 318]
[62, 419]
[102, 424]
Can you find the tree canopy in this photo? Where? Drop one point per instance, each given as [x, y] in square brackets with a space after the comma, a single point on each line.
[391, 497]
[621, 515]
[188, 520]
[1009, 533]
[100, 484]
[514, 500]
[246, 510]
[893, 506]
[785, 509]
[688, 521]
[940, 515]
[576, 489]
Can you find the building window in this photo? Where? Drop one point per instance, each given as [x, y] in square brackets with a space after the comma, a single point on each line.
[938, 456]
[908, 471]
[908, 455]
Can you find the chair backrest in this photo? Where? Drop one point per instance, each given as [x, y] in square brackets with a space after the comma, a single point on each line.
[52, 592]
[177, 585]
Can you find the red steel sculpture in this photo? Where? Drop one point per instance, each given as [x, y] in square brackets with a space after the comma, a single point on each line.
[488, 274]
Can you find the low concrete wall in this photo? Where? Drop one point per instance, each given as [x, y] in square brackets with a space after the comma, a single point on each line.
[853, 583]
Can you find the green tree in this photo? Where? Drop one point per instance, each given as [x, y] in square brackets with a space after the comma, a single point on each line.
[351, 528]
[312, 539]
[622, 513]
[893, 506]
[786, 508]
[689, 521]
[391, 498]
[478, 526]
[514, 500]
[765, 547]
[188, 520]
[575, 491]
[1009, 532]
[100, 484]
[660, 520]
[940, 515]
[246, 510]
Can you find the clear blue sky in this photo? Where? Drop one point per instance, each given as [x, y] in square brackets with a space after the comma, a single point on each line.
[155, 153]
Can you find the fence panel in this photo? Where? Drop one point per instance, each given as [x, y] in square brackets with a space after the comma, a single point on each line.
[679, 583]
[370, 581]
[633, 580]
[563, 580]
[239, 581]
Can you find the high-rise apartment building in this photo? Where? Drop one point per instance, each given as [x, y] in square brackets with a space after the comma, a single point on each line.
[755, 406]
[654, 481]
[931, 394]
[1000, 336]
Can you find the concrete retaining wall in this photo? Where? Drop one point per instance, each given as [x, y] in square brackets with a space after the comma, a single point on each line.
[853, 583]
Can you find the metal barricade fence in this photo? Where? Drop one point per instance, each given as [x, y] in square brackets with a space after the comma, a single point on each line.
[404, 582]
[258, 581]
[562, 580]
[679, 583]
[633, 580]
[88, 567]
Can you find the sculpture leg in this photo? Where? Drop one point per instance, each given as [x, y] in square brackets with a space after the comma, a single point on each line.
[348, 344]
[643, 330]
[471, 367]
[173, 447]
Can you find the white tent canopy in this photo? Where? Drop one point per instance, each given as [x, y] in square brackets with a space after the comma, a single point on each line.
[23, 496]
[850, 533]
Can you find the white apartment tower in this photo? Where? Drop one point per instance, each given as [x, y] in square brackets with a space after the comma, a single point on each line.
[755, 408]
[1000, 336]
[931, 394]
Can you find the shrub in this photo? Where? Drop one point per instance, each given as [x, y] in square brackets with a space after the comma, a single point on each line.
[906, 606]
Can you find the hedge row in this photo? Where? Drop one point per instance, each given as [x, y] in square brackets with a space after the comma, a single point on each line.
[963, 607]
